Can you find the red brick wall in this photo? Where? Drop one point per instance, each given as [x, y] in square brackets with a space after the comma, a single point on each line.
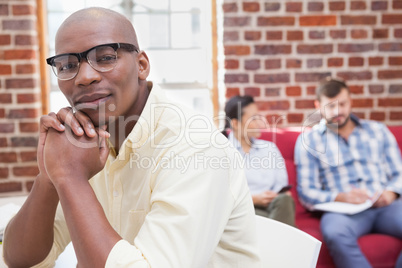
[19, 95]
[277, 51]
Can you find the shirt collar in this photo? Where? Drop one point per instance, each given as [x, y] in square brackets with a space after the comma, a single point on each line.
[236, 142]
[322, 126]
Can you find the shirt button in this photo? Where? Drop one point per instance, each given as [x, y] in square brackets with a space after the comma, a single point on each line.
[115, 193]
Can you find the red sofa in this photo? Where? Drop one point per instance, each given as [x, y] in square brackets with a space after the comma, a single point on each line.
[381, 250]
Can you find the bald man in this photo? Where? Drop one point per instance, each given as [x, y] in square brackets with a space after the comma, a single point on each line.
[143, 194]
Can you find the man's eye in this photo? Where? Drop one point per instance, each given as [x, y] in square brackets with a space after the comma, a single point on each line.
[106, 58]
[67, 67]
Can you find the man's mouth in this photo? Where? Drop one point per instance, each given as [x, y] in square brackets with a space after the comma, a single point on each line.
[91, 101]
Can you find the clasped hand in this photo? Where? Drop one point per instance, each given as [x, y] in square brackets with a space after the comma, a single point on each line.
[70, 146]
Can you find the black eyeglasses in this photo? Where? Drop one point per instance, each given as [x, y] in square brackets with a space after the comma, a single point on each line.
[102, 58]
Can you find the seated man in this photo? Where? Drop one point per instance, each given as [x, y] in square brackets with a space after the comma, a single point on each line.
[347, 159]
[264, 165]
[153, 200]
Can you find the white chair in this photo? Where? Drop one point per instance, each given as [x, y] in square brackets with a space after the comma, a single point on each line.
[283, 246]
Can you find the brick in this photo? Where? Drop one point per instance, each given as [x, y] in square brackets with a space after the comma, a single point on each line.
[236, 21]
[362, 103]
[28, 156]
[395, 89]
[311, 90]
[275, 119]
[232, 91]
[26, 171]
[7, 127]
[272, 78]
[272, 6]
[356, 90]
[7, 187]
[237, 50]
[5, 39]
[359, 34]
[272, 64]
[397, 4]
[236, 78]
[352, 48]
[304, 104]
[230, 36]
[380, 33]
[23, 10]
[293, 63]
[395, 60]
[377, 116]
[25, 40]
[20, 83]
[337, 34]
[5, 98]
[3, 173]
[395, 116]
[316, 34]
[319, 20]
[29, 127]
[356, 61]
[5, 69]
[335, 62]
[293, 91]
[390, 102]
[19, 54]
[273, 105]
[358, 5]
[294, 118]
[376, 89]
[275, 21]
[252, 64]
[314, 63]
[274, 35]
[360, 75]
[311, 77]
[3, 142]
[252, 35]
[24, 142]
[294, 7]
[25, 69]
[3, 9]
[2, 113]
[376, 61]
[358, 20]
[9, 157]
[231, 64]
[229, 7]
[19, 25]
[379, 5]
[390, 46]
[294, 35]
[315, 49]
[337, 6]
[251, 6]
[391, 18]
[252, 91]
[27, 98]
[23, 113]
[315, 6]
[272, 92]
[272, 49]
[390, 74]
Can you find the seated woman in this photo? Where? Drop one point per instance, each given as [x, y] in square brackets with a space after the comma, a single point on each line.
[263, 163]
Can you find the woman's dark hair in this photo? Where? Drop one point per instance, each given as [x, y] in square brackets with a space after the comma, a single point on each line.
[234, 109]
[330, 87]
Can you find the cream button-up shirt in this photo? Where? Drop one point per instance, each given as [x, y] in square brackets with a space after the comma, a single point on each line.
[174, 195]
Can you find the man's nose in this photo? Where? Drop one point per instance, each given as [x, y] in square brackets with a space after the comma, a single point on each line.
[86, 74]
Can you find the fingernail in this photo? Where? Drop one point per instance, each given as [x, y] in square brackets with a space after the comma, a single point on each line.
[80, 130]
[92, 131]
[61, 126]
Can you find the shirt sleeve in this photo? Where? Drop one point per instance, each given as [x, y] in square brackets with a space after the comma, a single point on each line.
[308, 182]
[190, 209]
[393, 162]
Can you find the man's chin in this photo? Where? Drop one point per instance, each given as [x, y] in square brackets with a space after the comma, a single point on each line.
[339, 124]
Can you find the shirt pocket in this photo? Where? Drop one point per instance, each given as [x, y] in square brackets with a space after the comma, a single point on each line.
[135, 221]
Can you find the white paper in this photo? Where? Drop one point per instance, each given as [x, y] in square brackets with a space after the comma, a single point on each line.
[345, 208]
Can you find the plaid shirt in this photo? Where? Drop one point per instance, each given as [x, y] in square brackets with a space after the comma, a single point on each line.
[327, 164]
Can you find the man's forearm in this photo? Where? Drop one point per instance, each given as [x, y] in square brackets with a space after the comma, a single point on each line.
[29, 235]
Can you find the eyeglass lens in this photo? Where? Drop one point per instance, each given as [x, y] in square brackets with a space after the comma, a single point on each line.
[102, 59]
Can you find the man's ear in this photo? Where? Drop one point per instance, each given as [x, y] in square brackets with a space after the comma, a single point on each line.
[317, 104]
[143, 65]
